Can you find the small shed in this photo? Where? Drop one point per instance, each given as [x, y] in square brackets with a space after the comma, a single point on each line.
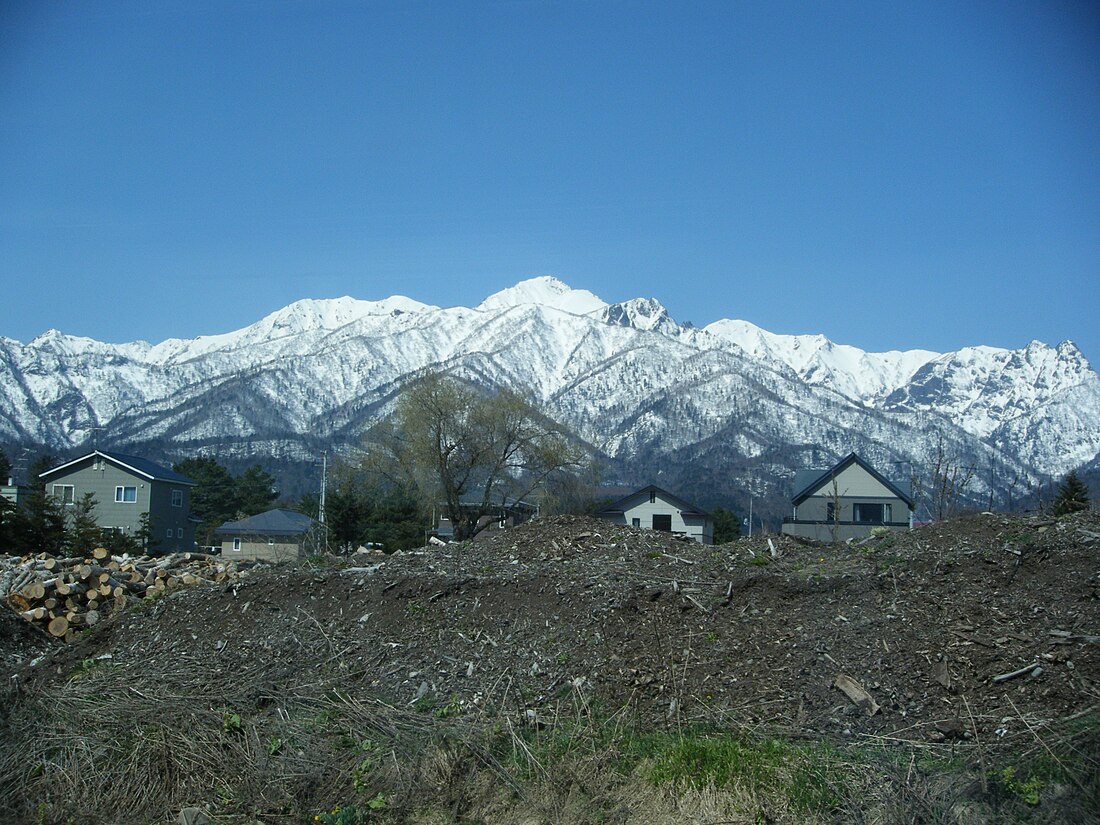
[277, 535]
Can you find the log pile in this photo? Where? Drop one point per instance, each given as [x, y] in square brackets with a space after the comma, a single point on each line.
[64, 595]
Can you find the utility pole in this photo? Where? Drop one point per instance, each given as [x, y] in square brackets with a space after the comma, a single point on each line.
[324, 481]
[321, 501]
[750, 515]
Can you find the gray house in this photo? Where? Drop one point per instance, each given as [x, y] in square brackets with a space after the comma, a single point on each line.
[277, 535]
[847, 501]
[125, 488]
[654, 508]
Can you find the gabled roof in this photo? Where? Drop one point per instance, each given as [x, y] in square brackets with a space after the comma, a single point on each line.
[137, 466]
[683, 506]
[807, 481]
[276, 522]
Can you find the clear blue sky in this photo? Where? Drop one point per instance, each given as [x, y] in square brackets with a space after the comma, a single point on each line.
[894, 175]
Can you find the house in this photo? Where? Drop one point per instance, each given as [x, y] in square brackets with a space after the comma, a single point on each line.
[15, 493]
[502, 515]
[126, 488]
[847, 501]
[654, 508]
[277, 535]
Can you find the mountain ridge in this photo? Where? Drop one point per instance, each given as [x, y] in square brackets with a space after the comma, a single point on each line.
[625, 377]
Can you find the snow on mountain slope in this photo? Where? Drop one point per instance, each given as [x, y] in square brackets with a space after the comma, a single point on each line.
[624, 377]
[546, 291]
[866, 376]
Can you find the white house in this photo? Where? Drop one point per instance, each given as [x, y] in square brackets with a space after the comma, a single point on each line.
[655, 509]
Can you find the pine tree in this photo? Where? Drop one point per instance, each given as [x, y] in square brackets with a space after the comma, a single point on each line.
[9, 528]
[255, 490]
[726, 527]
[42, 525]
[84, 534]
[1073, 495]
[214, 500]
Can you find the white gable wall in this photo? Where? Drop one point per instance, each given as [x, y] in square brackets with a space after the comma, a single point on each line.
[641, 508]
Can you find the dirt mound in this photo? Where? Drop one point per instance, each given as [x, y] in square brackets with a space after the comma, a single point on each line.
[20, 641]
[984, 628]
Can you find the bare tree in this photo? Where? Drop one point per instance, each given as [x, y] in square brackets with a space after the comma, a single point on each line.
[834, 510]
[469, 451]
[950, 479]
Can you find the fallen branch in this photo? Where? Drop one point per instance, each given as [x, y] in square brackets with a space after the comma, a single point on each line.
[1030, 669]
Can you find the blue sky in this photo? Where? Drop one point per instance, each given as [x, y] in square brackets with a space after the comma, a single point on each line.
[893, 175]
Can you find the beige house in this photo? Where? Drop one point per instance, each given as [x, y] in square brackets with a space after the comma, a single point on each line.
[655, 509]
[847, 501]
[277, 535]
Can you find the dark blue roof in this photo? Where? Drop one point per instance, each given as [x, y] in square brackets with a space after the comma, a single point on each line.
[276, 522]
[141, 466]
[684, 506]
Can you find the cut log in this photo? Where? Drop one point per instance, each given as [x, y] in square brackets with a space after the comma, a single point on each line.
[18, 603]
[58, 627]
[855, 691]
[34, 591]
[100, 553]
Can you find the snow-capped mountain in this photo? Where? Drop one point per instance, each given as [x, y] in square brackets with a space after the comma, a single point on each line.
[706, 408]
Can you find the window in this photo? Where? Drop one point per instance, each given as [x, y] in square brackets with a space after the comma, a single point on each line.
[64, 493]
[830, 510]
[887, 513]
[237, 545]
[662, 522]
[126, 494]
[169, 532]
[635, 522]
[652, 498]
[177, 498]
[867, 513]
[179, 532]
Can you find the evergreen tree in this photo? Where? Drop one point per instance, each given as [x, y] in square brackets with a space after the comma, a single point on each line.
[5, 467]
[214, 499]
[395, 520]
[118, 543]
[44, 462]
[83, 534]
[255, 490]
[726, 526]
[310, 504]
[144, 538]
[9, 528]
[1073, 495]
[346, 514]
[42, 525]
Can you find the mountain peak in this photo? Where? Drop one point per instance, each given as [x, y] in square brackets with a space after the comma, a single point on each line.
[547, 291]
[641, 313]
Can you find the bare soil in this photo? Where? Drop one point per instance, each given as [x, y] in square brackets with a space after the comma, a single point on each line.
[751, 635]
